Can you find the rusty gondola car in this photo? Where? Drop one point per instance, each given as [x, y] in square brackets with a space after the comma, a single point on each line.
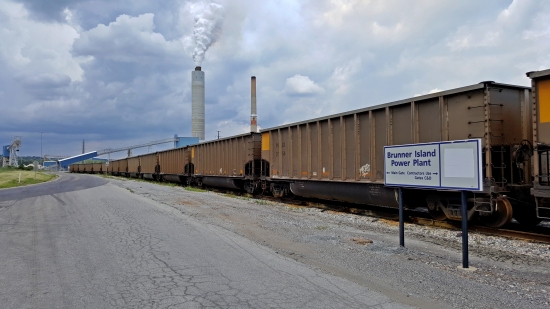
[232, 162]
[339, 157]
[541, 141]
[172, 165]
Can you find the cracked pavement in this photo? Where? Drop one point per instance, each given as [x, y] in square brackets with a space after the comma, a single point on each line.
[81, 242]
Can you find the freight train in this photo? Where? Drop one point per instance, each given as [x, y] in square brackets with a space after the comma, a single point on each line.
[340, 157]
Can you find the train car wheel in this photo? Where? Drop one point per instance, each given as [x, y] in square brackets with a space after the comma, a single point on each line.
[502, 215]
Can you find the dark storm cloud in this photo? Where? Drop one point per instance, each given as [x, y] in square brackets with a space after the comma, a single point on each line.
[49, 10]
[44, 86]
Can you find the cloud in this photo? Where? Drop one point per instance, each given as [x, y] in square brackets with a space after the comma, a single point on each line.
[50, 80]
[341, 78]
[299, 85]
[127, 39]
[48, 10]
[118, 72]
[30, 47]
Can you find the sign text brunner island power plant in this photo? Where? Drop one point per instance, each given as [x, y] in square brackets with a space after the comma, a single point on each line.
[447, 165]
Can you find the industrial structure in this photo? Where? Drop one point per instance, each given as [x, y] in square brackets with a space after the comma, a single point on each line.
[253, 113]
[197, 103]
[10, 153]
[64, 162]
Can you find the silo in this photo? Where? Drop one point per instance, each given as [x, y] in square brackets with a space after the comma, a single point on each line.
[197, 103]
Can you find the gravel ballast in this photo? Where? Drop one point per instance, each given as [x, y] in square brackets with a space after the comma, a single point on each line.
[427, 273]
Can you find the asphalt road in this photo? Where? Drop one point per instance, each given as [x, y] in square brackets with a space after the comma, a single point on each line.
[80, 242]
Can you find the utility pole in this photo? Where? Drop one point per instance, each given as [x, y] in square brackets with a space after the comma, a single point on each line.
[82, 146]
[41, 148]
[218, 134]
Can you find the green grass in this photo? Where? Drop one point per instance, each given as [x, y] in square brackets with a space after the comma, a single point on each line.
[9, 178]
[193, 189]
[239, 197]
[321, 227]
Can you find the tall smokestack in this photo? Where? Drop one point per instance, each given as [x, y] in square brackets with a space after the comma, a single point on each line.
[197, 103]
[253, 116]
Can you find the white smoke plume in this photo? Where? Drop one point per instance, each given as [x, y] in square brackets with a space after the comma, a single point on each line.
[208, 27]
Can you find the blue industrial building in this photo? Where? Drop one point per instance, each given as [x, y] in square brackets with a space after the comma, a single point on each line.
[185, 141]
[49, 163]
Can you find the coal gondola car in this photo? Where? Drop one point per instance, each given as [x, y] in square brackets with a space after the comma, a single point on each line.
[172, 165]
[148, 166]
[232, 162]
[96, 168]
[115, 167]
[541, 141]
[133, 167]
[339, 157]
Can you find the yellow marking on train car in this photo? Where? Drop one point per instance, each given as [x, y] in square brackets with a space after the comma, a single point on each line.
[544, 100]
[192, 152]
[265, 140]
[305, 173]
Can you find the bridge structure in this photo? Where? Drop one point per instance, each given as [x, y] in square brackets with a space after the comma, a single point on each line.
[65, 161]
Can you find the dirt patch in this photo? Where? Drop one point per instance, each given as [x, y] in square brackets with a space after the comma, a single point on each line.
[361, 241]
[187, 203]
[390, 222]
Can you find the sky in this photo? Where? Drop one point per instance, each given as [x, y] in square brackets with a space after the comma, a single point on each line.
[118, 73]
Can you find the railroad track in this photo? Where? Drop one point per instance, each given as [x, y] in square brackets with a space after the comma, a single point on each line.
[538, 234]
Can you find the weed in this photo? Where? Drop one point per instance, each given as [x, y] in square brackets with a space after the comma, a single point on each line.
[193, 189]
[239, 197]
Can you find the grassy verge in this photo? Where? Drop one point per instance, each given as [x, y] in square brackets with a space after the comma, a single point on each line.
[193, 189]
[9, 178]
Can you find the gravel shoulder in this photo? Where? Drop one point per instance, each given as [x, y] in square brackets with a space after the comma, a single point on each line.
[427, 273]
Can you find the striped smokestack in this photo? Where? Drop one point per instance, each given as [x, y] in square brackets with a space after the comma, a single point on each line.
[253, 117]
[197, 103]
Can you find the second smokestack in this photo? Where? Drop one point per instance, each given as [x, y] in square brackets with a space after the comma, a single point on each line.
[253, 117]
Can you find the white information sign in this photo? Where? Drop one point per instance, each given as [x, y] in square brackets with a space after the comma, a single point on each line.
[452, 165]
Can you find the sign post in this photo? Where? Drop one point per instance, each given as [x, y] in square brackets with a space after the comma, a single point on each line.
[452, 165]
[401, 219]
[464, 209]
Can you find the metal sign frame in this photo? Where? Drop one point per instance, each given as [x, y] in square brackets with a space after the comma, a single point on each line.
[443, 175]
